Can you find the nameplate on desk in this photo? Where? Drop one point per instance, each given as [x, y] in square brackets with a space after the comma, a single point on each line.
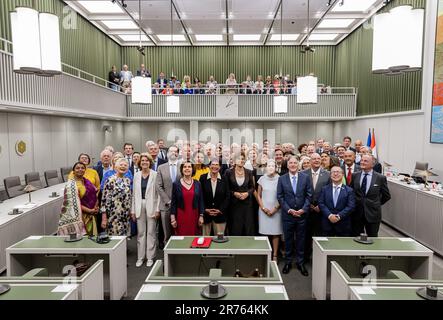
[116, 237]
[364, 290]
[406, 239]
[34, 237]
[177, 238]
[152, 288]
[321, 239]
[274, 289]
[25, 206]
[64, 287]
[260, 238]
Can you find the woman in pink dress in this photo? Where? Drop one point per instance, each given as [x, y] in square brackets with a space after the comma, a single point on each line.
[187, 206]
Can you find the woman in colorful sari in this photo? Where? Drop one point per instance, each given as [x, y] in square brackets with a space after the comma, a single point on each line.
[117, 201]
[80, 205]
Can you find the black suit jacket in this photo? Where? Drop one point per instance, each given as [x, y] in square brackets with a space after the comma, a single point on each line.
[220, 201]
[99, 169]
[369, 204]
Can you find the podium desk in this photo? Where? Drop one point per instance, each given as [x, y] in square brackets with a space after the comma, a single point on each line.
[192, 292]
[387, 293]
[156, 275]
[404, 254]
[39, 218]
[54, 254]
[242, 253]
[40, 292]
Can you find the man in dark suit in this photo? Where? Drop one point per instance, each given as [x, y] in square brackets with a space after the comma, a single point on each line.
[162, 150]
[161, 80]
[320, 148]
[347, 143]
[294, 195]
[349, 167]
[143, 72]
[280, 165]
[371, 192]
[318, 178]
[216, 198]
[128, 150]
[336, 202]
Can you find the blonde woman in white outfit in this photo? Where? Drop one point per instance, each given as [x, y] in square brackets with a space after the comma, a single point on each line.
[145, 209]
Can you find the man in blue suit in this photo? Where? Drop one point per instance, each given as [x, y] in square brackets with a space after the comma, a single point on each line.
[294, 195]
[336, 203]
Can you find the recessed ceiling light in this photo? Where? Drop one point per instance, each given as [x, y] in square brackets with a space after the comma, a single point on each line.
[323, 36]
[167, 37]
[119, 24]
[336, 23]
[132, 37]
[354, 6]
[285, 37]
[247, 37]
[209, 37]
[101, 6]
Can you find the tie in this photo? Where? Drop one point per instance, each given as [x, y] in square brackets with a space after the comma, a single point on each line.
[294, 184]
[364, 183]
[174, 172]
[314, 179]
[349, 176]
[129, 160]
[335, 195]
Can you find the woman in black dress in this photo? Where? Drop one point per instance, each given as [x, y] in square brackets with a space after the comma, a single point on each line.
[241, 186]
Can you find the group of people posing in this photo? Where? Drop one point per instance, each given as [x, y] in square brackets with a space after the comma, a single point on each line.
[204, 189]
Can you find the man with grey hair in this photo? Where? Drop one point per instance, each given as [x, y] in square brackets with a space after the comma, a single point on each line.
[367, 150]
[153, 151]
[294, 195]
[371, 192]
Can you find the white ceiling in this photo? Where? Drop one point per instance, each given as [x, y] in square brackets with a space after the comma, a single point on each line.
[201, 19]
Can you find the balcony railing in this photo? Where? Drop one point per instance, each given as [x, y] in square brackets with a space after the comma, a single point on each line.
[246, 107]
[73, 93]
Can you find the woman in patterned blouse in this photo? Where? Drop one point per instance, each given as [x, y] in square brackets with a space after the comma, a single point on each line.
[116, 201]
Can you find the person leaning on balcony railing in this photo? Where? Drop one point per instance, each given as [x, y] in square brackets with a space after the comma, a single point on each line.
[125, 79]
[259, 85]
[269, 88]
[198, 88]
[167, 90]
[114, 78]
[188, 89]
[186, 80]
[178, 89]
[212, 85]
[156, 88]
[231, 84]
[250, 83]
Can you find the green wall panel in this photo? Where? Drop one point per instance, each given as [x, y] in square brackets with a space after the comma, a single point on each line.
[85, 47]
[242, 60]
[376, 93]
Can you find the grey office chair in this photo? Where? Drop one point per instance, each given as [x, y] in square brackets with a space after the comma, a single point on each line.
[13, 187]
[51, 178]
[3, 195]
[65, 173]
[33, 178]
[419, 166]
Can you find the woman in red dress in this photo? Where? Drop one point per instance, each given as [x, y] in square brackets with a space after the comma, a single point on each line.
[187, 206]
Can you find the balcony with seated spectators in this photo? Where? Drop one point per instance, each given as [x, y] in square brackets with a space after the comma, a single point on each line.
[78, 93]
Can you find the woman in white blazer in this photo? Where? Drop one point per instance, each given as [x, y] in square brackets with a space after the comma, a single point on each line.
[145, 209]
